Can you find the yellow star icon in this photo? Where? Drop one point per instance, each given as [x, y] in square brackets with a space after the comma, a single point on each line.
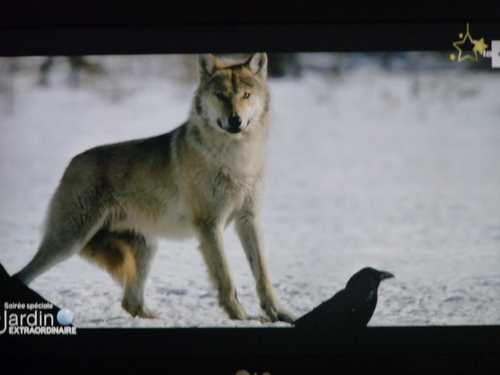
[479, 46]
[458, 45]
[452, 57]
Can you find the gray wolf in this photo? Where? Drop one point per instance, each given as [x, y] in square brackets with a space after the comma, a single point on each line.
[114, 201]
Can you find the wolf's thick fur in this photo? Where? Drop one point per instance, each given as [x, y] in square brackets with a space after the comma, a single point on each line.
[113, 201]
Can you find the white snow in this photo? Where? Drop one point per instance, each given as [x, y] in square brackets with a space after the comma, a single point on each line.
[398, 171]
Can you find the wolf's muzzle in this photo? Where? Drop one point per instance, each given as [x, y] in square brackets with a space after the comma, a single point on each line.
[234, 124]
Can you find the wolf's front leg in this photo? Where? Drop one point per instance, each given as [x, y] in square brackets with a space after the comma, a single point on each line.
[212, 249]
[248, 229]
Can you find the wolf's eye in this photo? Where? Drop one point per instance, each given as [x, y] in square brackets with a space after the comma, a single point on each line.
[220, 96]
[246, 95]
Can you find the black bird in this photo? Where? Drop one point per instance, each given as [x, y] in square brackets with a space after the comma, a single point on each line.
[350, 309]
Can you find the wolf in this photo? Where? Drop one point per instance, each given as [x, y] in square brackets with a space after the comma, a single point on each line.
[114, 201]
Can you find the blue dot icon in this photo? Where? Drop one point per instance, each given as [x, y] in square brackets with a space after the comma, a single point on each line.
[64, 316]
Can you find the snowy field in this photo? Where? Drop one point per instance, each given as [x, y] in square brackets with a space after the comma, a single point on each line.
[397, 170]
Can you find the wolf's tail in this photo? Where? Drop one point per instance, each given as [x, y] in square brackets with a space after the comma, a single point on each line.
[111, 252]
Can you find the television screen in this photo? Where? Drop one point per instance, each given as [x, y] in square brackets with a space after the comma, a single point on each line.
[232, 193]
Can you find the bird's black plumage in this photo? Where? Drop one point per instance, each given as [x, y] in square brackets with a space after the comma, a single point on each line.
[350, 309]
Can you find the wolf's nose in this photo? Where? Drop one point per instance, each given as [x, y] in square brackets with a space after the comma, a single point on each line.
[234, 121]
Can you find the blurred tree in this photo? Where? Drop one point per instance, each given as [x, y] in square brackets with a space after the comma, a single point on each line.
[77, 64]
[283, 64]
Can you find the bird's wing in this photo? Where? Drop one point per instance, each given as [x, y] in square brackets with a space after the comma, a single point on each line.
[325, 313]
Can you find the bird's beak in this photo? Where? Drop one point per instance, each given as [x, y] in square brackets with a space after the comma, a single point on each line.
[385, 275]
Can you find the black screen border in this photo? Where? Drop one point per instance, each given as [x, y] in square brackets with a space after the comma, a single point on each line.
[341, 37]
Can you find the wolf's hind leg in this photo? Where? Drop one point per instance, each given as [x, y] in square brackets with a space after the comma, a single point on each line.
[127, 257]
[144, 251]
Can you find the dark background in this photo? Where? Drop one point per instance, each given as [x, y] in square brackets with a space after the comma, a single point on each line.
[94, 13]
[61, 27]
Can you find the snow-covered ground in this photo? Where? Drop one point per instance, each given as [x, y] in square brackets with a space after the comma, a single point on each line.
[399, 171]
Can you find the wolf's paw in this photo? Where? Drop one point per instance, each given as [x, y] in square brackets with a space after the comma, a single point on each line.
[263, 319]
[148, 315]
[279, 315]
[285, 317]
[139, 310]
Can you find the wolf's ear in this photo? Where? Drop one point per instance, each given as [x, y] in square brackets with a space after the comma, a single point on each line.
[207, 65]
[258, 64]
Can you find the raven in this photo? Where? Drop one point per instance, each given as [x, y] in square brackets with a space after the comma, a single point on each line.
[350, 309]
